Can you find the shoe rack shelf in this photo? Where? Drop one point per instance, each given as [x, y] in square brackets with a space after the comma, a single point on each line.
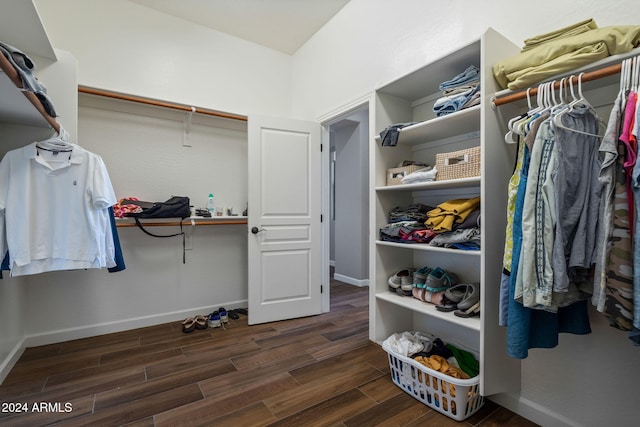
[410, 99]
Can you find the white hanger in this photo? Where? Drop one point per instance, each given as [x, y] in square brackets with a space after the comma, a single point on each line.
[58, 143]
[578, 101]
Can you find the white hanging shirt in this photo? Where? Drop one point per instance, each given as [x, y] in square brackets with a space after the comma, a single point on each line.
[54, 210]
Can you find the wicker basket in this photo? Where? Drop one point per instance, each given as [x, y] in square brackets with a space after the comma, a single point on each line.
[453, 397]
[458, 164]
[395, 175]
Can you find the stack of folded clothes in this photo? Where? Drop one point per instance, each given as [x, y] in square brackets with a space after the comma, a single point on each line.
[452, 224]
[406, 225]
[462, 91]
[456, 224]
[560, 51]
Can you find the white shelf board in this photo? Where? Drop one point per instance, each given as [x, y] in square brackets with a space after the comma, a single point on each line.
[428, 309]
[473, 181]
[427, 247]
[458, 123]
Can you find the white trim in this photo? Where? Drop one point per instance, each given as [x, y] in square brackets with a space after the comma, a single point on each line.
[531, 410]
[61, 335]
[11, 359]
[350, 280]
[326, 120]
[332, 263]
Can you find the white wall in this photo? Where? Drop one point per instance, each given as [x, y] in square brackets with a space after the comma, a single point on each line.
[124, 47]
[587, 380]
[372, 42]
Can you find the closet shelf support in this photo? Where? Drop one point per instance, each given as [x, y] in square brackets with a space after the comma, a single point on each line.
[158, 103]
[586, 77]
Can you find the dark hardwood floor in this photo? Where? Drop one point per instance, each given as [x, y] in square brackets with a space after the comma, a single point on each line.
[314, 371]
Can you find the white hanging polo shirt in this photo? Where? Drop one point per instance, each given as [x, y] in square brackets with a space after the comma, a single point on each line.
[54, 210]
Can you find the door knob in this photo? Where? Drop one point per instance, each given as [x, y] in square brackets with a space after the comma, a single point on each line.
[256, 230]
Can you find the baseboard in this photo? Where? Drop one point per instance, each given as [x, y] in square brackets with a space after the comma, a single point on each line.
[350, 280]
[11, 359]
[85, 331]
[531, 410]
[332, 263]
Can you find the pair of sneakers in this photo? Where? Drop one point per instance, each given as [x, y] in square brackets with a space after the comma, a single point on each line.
[402, 281]
[434, 279]
[218, 318]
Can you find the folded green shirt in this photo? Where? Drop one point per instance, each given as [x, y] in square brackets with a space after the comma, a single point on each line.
[565, 54]
[568, 31]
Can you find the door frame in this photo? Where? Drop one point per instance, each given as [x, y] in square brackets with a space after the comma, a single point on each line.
[363, 103]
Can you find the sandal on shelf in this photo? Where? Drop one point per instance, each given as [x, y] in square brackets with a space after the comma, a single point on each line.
[447, 305]
[440, 280]
[471, 296]
[188, 325]
[472, 311]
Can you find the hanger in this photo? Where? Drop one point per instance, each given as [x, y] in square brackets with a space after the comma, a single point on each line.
[511, 136]
[578, 101]
[58, 143]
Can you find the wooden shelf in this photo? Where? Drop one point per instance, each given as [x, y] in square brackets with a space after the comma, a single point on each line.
[196, 220]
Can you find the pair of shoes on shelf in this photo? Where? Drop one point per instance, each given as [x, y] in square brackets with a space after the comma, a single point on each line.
[232, 314]
[440, 280]
[219, 318]
[242, 311]
[463, 298]
[190, 324]
[424, 295]
[420, 277]
[402, 281]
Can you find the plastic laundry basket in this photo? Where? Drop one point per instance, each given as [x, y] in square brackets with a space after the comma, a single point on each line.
[453, 397]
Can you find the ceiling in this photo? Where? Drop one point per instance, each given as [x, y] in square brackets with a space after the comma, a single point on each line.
[283, 25]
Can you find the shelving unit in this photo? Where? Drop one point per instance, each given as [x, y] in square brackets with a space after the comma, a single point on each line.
[411, 99]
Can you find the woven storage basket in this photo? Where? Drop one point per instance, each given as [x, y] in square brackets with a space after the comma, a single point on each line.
[395, 175]
[458, 164]
[453, 397]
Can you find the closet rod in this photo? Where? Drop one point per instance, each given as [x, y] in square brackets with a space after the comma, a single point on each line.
[158, 103]
[586, 77]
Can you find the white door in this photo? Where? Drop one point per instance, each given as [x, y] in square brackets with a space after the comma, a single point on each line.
[284, 230]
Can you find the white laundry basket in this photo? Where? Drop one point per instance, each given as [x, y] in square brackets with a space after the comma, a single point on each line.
[453, 397]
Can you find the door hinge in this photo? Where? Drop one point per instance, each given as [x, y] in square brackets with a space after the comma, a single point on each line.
[321, 148]
[321, 218]
[321, 289]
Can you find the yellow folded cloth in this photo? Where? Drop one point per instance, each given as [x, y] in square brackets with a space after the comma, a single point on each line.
[565, 54]
[446, 214]
[568, 31]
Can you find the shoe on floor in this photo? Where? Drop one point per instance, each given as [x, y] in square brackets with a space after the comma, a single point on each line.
[233, 315]
[223, 315]
[214, 320]
[188, 325]
[201, 322]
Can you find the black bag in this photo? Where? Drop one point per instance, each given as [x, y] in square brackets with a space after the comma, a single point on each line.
[175, 207]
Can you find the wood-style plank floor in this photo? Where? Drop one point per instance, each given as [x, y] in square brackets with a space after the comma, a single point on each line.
[314, 371]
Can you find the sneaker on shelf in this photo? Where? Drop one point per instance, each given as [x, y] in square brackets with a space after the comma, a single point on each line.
[440, 280]
[402, 277]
